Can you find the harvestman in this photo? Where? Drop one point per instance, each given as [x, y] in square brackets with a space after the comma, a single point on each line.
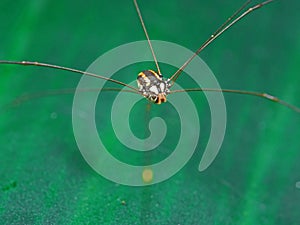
[152, 85]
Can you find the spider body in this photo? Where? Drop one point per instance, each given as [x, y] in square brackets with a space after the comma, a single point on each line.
[153, 86]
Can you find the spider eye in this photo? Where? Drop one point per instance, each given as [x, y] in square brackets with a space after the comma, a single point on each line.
[153, 98]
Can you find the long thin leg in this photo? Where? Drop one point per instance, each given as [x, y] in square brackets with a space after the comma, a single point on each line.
[147, 36]
[231, 17]
[30, 96]
[258, 94]
[27, 63]
[219, 31]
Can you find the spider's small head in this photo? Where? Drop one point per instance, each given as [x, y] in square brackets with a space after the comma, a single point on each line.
[153, 86]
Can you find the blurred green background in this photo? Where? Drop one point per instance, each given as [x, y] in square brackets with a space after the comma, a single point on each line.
[45, 180]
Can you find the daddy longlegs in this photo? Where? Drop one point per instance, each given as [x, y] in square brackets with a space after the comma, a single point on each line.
[152, 85]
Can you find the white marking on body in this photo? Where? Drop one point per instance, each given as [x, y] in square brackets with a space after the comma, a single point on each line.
[154, 89]
[140, 86]
[147, 81]
[162, 87]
